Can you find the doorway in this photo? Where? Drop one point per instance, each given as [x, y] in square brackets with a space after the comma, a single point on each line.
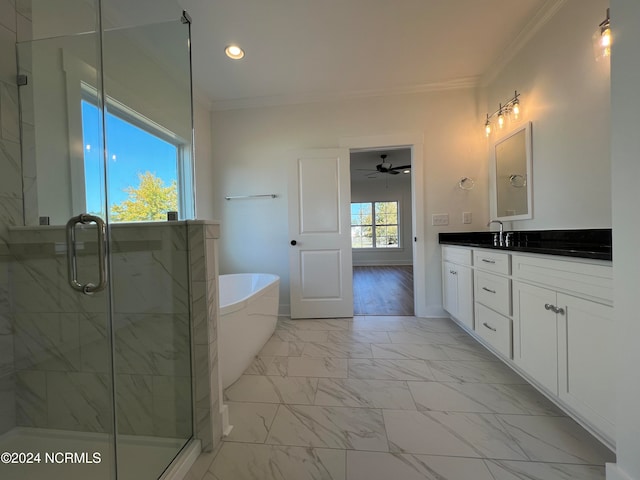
[382, 231]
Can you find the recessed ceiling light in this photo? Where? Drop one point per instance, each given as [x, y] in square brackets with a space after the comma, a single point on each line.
[234, 52]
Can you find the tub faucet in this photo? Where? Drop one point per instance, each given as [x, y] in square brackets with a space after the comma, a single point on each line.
[500, 234]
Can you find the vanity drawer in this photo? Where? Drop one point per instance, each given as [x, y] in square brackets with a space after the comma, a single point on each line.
[493, 291]
[491, 261]
[461, 256]
[495, 329]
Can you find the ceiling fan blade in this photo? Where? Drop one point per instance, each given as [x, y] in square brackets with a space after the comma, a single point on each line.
[393, 172]
[402, 167]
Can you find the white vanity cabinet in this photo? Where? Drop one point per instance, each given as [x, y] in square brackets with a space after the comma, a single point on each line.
[457, 284]
[563, 333]
[549, 317]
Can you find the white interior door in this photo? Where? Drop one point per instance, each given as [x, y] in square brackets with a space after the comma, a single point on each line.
[320, 234]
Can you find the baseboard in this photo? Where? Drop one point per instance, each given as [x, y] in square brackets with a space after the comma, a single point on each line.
[434, 312]
[430, 312]
[226, 427]
[382, 263]
[616, 473]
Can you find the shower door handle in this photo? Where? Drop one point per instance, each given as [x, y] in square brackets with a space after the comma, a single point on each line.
[72, 263]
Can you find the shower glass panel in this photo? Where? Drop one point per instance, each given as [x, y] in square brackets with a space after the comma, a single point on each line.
[106, 130]
[149, 131]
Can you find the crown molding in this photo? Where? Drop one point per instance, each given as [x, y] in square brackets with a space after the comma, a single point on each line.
[545, 13]
[299, 99]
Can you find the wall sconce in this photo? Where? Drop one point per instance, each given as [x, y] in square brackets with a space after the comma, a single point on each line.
[511, 107]
[602, 39]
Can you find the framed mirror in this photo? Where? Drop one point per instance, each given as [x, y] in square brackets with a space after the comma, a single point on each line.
[511, 176]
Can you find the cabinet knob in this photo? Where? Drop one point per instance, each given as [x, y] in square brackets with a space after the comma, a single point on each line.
[293, 242]
[453, 272]
[559, 310]
[548, 306]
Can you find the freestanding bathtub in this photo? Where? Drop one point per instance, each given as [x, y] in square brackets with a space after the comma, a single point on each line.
[248, 314]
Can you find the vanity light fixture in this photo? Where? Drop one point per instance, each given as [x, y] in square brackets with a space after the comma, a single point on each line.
[234, 52]
[512, 106]
[602, 39]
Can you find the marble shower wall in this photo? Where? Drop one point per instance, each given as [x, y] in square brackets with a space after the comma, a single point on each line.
[62, 338]
[205, 313]
[11, 212]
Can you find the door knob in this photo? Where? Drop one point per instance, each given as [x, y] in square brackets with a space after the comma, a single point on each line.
[293, 242]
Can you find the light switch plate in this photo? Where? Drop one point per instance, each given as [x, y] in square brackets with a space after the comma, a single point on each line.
[440, 219]
[466, 217]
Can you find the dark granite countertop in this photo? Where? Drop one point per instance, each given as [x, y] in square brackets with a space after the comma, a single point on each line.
[589, 243]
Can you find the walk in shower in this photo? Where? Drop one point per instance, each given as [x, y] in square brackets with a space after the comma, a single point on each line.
[95, 345]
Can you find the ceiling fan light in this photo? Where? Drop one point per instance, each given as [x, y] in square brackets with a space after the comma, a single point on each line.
[408, 170]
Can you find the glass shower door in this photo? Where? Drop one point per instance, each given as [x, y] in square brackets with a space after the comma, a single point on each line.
[148, 124]
[60, 299]
[105, 113]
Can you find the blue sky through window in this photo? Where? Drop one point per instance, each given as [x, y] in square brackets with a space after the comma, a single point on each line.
[131, 150]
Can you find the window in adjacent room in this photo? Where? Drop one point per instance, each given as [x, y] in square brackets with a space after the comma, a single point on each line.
[374, 225]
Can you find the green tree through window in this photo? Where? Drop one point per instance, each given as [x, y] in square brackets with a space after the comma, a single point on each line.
[374, 225]
[150, 201]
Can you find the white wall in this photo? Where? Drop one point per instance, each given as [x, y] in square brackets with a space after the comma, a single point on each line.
[625, 126]
[250, 156]
[394, 189]
[565, 93]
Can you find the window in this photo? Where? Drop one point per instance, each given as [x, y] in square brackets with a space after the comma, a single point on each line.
[147, 171]
[374, 225]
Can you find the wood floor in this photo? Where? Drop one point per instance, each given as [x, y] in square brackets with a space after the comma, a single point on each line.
[383, 290]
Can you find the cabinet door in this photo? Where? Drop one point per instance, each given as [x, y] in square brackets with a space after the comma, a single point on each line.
[536, 334]
[457, 292]
[465, 296]
[586, 356]
[450, 288]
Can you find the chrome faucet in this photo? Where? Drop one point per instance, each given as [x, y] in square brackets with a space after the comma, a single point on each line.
[501, 233]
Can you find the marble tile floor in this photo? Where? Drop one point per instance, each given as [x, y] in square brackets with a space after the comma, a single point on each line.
[401, 398]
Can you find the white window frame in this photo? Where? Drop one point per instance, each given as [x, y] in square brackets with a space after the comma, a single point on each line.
[80, 81]
[374, 225]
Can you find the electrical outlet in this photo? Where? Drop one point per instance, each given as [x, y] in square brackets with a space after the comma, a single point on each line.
[440, 219]
[466, 217]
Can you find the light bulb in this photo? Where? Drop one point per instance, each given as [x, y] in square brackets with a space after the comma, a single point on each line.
[606, 37]
[605, 41]
[516, 109]
[487, 128]
[500, 120]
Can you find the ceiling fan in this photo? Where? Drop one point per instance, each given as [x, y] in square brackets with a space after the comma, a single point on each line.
[386, 167]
